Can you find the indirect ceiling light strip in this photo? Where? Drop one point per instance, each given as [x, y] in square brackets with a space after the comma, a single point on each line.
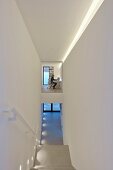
[88, 17]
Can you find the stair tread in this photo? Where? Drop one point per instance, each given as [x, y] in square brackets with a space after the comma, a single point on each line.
[53, 168]
[57, 147]
[53, 155]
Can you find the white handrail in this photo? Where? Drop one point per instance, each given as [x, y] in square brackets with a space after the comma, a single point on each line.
[15, 115]
[13, 110]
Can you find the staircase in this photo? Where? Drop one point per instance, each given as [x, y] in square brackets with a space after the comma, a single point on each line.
[53, 157]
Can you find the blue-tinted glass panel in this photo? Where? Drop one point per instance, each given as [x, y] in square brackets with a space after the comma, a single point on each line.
[56, 106]
[46, 75]
[47, 106]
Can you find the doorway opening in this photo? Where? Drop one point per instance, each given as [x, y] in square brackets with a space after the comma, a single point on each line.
[51, 129]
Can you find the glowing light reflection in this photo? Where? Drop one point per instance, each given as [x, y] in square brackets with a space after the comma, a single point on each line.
[43, 141]
[28, 162]
[44, 118]
[88, 17]
[44, 125]
[20, 167]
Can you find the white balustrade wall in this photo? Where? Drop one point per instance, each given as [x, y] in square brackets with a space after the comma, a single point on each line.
[17, 142]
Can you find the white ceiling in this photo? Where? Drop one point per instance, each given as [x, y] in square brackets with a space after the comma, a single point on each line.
[52, 24]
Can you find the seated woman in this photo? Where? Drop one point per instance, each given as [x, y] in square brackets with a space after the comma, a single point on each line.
[53, 81]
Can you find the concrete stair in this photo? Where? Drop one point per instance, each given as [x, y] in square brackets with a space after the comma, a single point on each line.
[53, 157]
[54, 168]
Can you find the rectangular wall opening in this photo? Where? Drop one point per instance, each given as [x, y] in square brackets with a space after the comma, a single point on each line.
[52, 77]
[51, 128]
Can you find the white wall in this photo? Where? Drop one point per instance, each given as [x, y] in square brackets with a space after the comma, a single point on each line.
[88, 95]
[52, 97]
[16, 145]
[20, 62]
[19, 80]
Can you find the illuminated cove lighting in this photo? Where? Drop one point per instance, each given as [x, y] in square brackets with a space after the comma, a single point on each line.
[88, 17]
[20, 168]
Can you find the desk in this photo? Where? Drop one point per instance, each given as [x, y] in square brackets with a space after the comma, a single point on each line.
[59, 84]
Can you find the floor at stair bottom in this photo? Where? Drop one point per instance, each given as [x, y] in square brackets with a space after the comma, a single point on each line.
[51, 132]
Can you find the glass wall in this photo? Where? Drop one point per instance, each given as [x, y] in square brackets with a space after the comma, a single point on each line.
[45, 75]
[56, 106]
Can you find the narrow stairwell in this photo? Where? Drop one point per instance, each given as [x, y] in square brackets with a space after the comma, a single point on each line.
[51, 154]
[53, 157]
